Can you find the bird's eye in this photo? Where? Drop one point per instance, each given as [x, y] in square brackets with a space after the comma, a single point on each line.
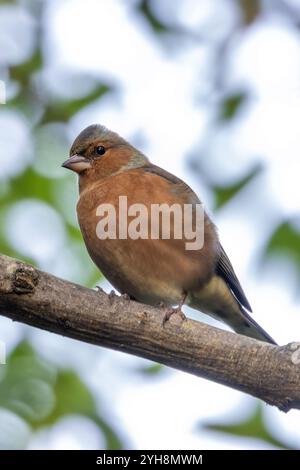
[100, 150]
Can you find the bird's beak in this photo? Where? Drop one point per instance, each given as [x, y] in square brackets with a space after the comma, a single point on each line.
[77, 163]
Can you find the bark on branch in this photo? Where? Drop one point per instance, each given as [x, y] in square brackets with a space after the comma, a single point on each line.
[271, 373]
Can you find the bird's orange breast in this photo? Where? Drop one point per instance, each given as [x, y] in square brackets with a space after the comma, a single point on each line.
[150, 270]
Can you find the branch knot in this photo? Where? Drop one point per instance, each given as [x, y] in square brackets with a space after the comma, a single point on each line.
[24, 279]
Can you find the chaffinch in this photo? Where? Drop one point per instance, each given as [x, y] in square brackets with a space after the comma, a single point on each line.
[152, 270]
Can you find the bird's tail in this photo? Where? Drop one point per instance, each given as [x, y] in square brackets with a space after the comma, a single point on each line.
[217, 300]
[249, 327]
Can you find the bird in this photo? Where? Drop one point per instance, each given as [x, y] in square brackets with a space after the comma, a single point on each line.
[154, 271]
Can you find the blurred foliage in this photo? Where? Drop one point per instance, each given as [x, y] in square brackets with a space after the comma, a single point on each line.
[250, 9]
[285, 241]
[64, 110]
[252, 427]
[23, 72]
[224, 194]
[231, 105]
[32, 389]
[152, 370]
[146, 10]
[42, 394]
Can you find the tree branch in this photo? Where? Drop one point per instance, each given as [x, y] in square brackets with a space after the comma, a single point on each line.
[269, 372]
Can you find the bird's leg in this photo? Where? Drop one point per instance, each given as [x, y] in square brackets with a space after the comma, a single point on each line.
[162, 305]
[111, 297]
[126, 297]
[171, 311]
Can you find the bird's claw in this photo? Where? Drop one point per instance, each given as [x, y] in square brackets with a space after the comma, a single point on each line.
[125, 297]
[111, 297]
[173, 311]
[162, 305]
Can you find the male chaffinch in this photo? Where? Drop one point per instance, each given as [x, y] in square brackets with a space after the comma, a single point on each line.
[153, 271]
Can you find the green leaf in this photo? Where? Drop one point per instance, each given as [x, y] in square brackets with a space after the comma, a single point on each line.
[73, 397]
[62, 111]
[22, 349]
[29, 184]
[285, 241]
[42, 394]
[145, 8]
[231, 105]
[30, 364]
[27, 385]
[94, 277]
[74, 233]
[152, 370]
[7, 2]
[253, 427]
[32, 185]
[113, 440]
[223, 194]
[23, 72]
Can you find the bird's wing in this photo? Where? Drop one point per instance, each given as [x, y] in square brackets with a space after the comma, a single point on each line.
[224, 267]
[180, 186]
[225, 270]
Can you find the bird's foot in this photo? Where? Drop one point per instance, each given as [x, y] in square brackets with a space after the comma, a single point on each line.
[173, 311]
[126, 297]
[162, 306]
[112, 296]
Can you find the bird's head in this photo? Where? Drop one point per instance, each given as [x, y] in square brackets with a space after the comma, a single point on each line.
[98, 153]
